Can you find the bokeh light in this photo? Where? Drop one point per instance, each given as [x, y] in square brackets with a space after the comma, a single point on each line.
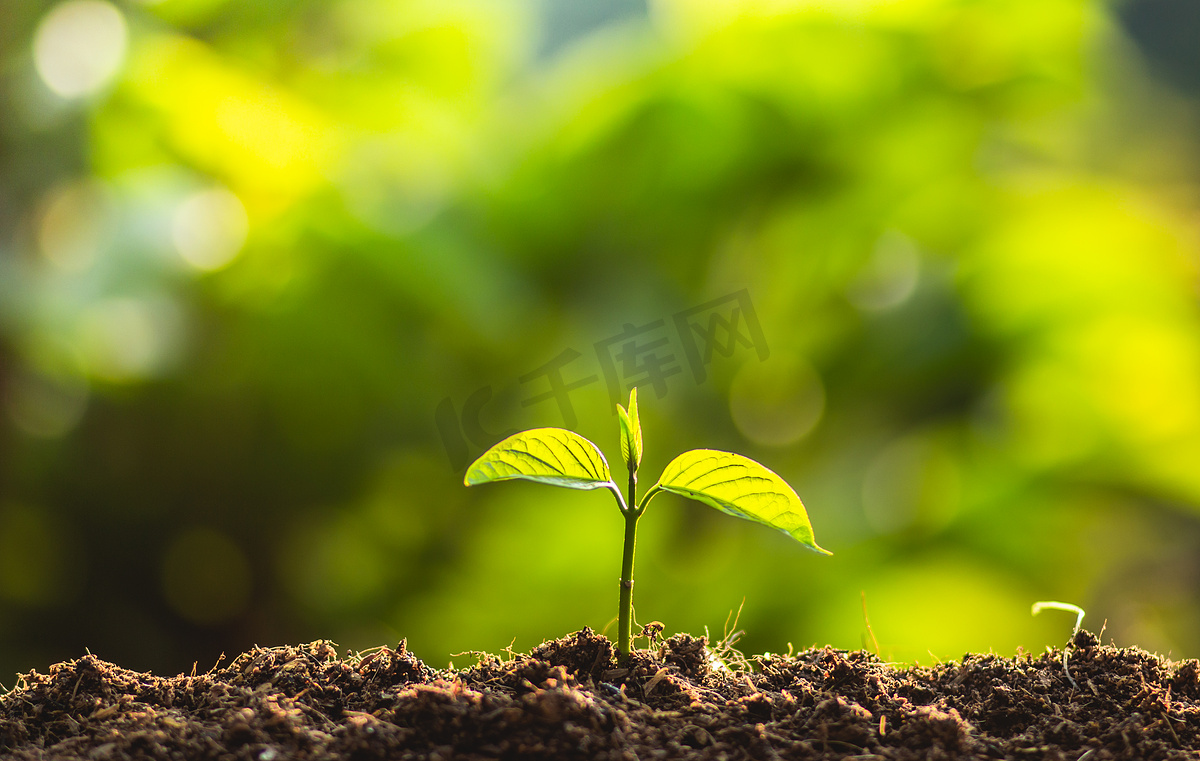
[205, 576]
[776, 403]
[46, 406]
[73, 223]
[79, 46]
[209, 228]
[127, 338]
[35, 561]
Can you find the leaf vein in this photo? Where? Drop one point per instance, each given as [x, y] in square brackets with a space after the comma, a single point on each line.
[588, 467]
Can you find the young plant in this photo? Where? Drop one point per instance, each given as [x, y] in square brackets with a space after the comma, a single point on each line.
[729, 482]
[1041, 605]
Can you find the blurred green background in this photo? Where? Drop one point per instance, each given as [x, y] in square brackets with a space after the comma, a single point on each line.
[271, 273]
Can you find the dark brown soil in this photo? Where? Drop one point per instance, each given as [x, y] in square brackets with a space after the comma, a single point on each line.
[567, 699]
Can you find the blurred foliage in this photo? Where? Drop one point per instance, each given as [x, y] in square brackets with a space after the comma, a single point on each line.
[269, 271]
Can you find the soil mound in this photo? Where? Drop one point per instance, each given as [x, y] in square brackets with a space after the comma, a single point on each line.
[567, 699]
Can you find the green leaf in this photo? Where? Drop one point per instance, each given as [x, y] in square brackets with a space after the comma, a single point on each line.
[740, 486]
[631, 433]
[553, 456]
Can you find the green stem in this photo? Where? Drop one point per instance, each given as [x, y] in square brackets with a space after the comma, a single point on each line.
[641, 508]
[632, 490]
[616, 492]
[625, 611]
[632, 512]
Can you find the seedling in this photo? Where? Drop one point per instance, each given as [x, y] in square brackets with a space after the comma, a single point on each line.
[1038, 607]
[729, 482]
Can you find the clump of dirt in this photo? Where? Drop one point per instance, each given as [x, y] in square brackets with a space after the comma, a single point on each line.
[569, 699]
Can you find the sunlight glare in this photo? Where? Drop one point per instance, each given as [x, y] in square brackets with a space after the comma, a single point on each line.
[209, 229]
[79, 47]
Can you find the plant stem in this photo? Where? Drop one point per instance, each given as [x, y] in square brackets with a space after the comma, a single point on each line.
[632, 511]
[632, 503]
[625, 611]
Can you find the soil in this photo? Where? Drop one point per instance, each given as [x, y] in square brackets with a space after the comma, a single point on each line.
[568, 699]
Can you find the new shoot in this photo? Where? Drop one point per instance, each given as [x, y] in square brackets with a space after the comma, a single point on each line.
[726, 481]
[1041, 605]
